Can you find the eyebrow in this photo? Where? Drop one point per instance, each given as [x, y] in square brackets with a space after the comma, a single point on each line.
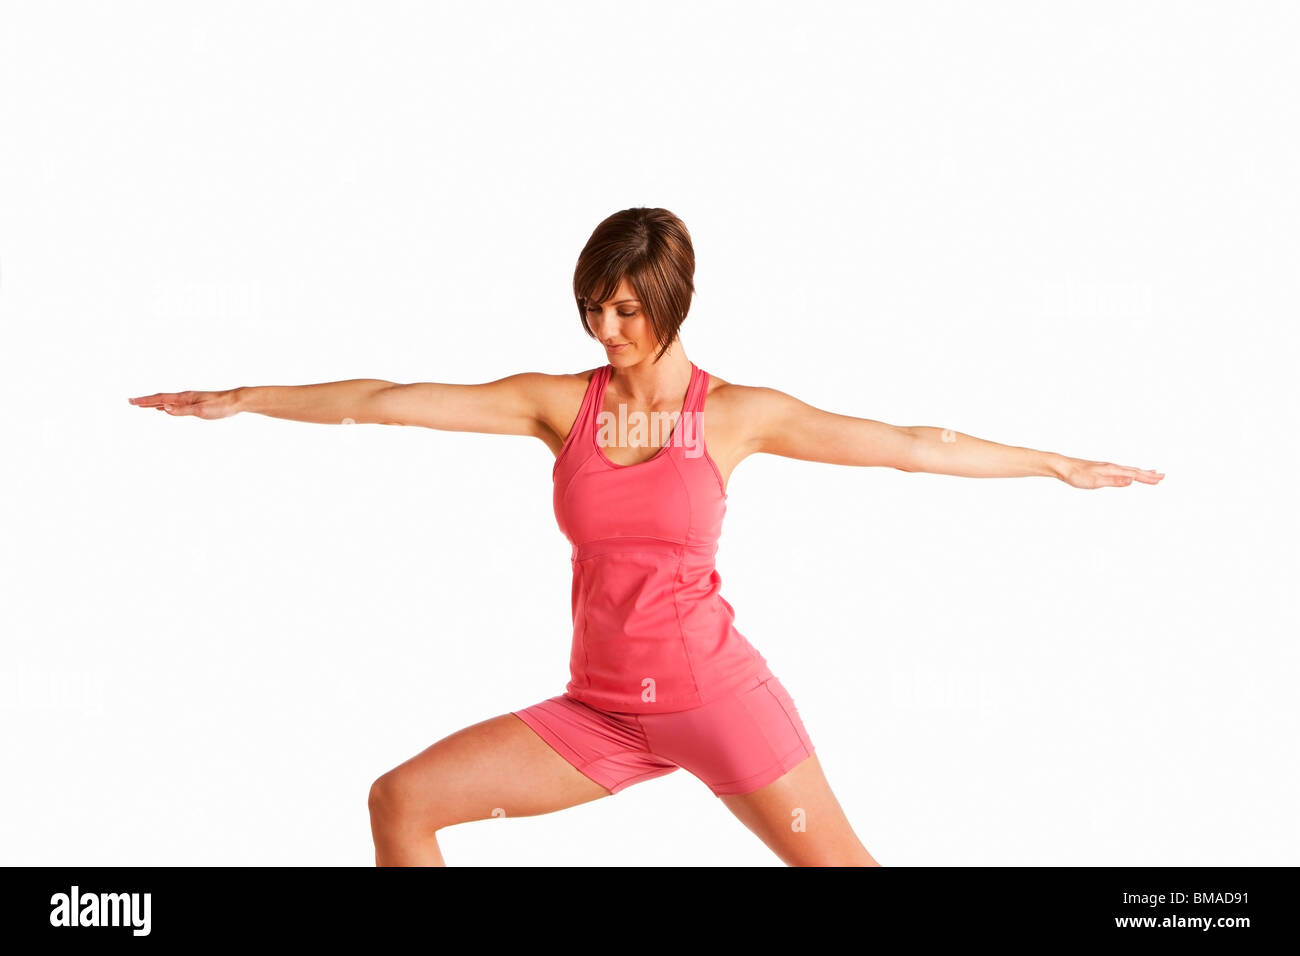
[619, 302]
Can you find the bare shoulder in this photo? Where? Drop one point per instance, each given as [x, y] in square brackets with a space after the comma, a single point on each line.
[560, 386]
[741, 418]
[559, 395]
[735, 421]
[736, 417]
[732, 399]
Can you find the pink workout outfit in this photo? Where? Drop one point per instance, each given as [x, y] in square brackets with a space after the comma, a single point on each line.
[659, 676]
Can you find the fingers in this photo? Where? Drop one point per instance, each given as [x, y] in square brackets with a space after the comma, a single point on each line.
[155, 400]
[1121, 476]
[173, 403]
[1145, 475]
[168, 402]
[1105, 475]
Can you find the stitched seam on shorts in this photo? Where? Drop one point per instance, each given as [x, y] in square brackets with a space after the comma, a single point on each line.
[550, 737]
[777, 759]
[658, 771]
[586, 767]
[575, 760]
[779, 762]
[781, 704]
[646, 746]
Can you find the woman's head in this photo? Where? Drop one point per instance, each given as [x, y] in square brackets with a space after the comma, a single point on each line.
[634, 281]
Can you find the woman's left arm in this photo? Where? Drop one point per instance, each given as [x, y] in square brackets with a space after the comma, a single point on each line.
[780, 424]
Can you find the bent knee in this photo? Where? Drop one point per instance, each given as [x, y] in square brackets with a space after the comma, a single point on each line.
[394, 801]
[389, 798]
[378, 796]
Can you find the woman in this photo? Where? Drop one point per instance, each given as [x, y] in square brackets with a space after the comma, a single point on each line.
[660, 676]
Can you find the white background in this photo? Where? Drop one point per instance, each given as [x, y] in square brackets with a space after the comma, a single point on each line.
[1069, 226]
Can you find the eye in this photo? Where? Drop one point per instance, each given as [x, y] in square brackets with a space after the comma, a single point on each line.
[628, 315]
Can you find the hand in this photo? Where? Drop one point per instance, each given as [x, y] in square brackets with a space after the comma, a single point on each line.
[1079, 473]
[208, 405]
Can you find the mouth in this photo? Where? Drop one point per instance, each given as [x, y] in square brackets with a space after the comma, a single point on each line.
[615, 348]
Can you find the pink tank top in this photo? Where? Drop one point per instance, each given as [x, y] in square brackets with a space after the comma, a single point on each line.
[651, 630]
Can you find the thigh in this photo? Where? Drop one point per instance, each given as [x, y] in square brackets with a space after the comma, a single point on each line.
[497, 767]
[800, 819]
[737, 743]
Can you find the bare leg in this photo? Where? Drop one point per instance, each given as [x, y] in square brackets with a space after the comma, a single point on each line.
[798, 817]
[500, 764]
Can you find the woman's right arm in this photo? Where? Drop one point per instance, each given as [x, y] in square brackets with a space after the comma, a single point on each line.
[508, 406]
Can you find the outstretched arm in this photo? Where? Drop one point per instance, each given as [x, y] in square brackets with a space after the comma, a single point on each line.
[784, 425]
[507, 406]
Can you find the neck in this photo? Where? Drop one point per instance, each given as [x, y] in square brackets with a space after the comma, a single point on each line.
[647, 381]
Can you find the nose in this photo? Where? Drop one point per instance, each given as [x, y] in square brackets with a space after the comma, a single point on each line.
[605, 325]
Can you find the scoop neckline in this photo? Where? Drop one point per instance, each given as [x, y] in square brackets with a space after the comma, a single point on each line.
[600, 400]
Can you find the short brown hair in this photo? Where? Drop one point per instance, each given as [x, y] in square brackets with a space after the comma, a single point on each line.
[652, 250]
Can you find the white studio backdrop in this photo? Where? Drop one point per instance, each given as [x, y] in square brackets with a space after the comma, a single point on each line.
[1069, 226]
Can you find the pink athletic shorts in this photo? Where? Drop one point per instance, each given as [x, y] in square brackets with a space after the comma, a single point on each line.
[736, 744]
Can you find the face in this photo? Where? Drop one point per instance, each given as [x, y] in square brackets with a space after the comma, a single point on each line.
[621, 325]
